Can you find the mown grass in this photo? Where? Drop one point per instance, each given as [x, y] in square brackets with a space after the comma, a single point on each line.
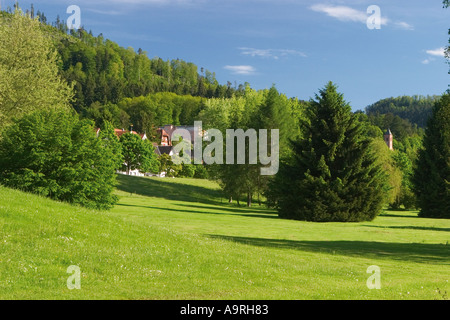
[178, 239]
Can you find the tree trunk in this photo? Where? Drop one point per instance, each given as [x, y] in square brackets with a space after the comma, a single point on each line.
[249, 199]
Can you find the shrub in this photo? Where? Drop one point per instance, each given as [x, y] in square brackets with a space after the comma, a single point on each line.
[54, 154]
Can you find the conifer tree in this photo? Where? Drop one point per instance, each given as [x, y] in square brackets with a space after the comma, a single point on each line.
[432, 173]
[332, 175]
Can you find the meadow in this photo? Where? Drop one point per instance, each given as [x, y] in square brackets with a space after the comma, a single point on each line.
[180, 239]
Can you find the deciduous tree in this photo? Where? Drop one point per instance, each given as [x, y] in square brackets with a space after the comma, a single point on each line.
[29, 77]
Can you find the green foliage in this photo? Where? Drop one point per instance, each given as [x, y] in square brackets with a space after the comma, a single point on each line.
[201, 172]
[187, 171]
[138, 154]
[432, 173]
[415, 109]
[111, 142]
[54, 154]
[384, 157]
[406, 196]
[265, 109]
[108, 112]
[333, 174]
[166, 165]
[29, 77]
[151, 111]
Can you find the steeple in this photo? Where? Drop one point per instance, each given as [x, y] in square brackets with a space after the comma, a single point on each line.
[389, 139]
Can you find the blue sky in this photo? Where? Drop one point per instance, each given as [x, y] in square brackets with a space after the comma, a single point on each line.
[297, 45]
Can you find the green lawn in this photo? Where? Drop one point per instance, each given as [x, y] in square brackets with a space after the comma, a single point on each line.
[177, 239]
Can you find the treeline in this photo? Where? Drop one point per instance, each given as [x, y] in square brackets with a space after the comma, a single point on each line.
[146, 113]
[416, 109]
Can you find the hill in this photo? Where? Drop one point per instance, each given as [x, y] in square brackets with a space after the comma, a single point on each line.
[416, 109]
[174, 239]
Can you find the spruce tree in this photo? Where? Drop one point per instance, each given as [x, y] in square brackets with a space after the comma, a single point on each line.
[332, 175]
[432, 173]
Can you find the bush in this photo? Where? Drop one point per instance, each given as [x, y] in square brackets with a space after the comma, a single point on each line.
[201, 172]
[187, 171]
[54, 154]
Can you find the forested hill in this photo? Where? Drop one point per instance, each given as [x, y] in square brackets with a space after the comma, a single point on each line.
[416, 109]
[105, 72]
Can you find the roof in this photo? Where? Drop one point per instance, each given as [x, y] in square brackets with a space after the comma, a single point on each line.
[388, 132]
[165, 149]
[120, 132]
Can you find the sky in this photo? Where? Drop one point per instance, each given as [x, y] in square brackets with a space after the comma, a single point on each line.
[370, 49]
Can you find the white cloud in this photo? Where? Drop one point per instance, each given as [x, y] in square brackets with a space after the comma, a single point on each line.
[440, 52]
[270, 53]
[432, 54]
[404, 25]
[341, 13]
[241, 70]
[348, 14]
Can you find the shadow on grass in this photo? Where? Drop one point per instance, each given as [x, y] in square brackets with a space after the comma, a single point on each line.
[216, 211]
[415, 252]
[411, 228]
[397, 215]
[232, 209]
[167, 189]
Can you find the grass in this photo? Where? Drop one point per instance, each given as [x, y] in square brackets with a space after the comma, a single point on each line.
[178, 239]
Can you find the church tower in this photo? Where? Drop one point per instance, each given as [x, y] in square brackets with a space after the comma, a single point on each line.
[389, 139]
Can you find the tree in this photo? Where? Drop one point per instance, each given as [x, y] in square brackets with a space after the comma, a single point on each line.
[29, 77]
[406, 196]
[54, 154]
[188, 170]
[333, 175]
[432, 174]
[166, 165]
[384, 157]
[138, 154]
[110, 141]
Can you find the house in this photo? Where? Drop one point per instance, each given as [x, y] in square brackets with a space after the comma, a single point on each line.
[165, 147]
[164, 136]
[169, 129]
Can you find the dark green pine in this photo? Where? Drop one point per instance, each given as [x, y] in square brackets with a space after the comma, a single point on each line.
[432, 174]
[332, 176]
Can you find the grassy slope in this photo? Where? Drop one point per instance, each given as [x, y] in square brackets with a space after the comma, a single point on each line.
[174, 239]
